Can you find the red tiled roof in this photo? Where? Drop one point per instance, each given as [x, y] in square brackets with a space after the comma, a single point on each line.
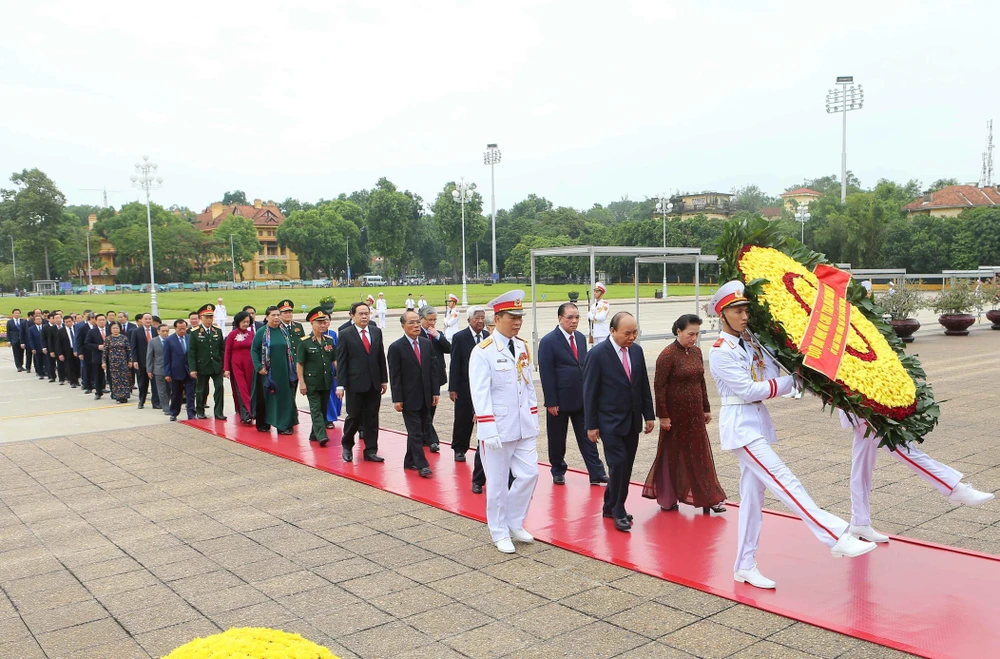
[956, 196]
[771, 212]
[265, 216]
[801, 191]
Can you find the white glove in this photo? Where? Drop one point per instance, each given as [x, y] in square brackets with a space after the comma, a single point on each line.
[492, 443]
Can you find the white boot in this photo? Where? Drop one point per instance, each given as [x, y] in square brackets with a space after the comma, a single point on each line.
[521, 535]
[869, 534]
[505, 546]
[968, 495]
[851, 547]
[754, 578]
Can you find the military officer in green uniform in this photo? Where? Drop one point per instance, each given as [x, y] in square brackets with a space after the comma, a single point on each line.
[314, 359]
[205, 361]
[293, 330]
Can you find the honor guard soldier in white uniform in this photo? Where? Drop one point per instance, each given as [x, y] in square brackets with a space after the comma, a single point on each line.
[451, 317]
[943, 478]
[746, 376]
[381, 309]
[599, 315]
[503, 395]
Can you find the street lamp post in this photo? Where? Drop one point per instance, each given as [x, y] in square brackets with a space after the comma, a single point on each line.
[664, 206]
[145, 178]
[463, 194]
[491, 158]
[802, 216]
[844, 100]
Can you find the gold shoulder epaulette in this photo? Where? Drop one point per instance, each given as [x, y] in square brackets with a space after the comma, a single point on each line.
[486, 343]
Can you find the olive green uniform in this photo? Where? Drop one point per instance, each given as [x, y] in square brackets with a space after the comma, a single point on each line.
[296, 334]
[205, 356]
[316, 358]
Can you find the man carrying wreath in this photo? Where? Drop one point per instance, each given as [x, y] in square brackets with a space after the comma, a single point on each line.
[746, 376]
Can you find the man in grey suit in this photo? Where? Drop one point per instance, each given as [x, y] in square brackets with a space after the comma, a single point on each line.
[154, 364]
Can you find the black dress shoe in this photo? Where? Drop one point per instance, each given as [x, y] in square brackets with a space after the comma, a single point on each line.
[88, 391]
[373, 457]
[173, 418]
[623, 524]
[312, 439]
[286, 431]
[426, 472]
[157, 407]
[600, 480]
[348, 455]
[559, 480]
[98, 396]
[611, 516]
[477, 488]
[460, 457]
[246, 420]
[221, 418]
[141, 406]
[330, 425]
[200, 416]
[323, 442]
[670, 509]
[435, 448]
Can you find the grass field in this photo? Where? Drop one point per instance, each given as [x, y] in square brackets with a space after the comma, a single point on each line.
[177, 304]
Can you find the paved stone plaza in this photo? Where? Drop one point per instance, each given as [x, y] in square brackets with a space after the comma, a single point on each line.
[131, 540]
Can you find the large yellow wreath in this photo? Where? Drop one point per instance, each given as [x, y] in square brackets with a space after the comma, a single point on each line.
[870, 367]
[251, 643]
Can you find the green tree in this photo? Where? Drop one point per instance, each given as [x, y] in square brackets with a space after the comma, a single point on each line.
[388, 217]
[319, 237]
[234, 197]
[941, 183]
[244, 246]
[448, 216]
[751, 198]
[35, 213]
[275, 267]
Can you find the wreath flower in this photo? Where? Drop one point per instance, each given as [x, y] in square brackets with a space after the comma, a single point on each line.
[876, 382]
[251, 643]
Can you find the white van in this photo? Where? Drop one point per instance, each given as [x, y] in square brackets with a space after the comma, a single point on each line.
[372, 280]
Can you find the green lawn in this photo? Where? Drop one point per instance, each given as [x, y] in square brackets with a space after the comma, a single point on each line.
[176, 304]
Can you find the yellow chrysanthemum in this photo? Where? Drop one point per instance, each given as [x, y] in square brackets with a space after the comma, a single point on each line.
[870, 366]
[251, 643]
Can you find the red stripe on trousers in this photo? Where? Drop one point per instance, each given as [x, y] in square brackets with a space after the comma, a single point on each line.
[902, 455]
[785, 490]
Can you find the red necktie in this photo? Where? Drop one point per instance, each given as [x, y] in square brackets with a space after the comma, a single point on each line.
[416, 351]
[148, 337]
[572, 346]
[365, 342]
[625, 363]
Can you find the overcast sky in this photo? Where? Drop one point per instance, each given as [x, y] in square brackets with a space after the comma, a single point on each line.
[589, 101]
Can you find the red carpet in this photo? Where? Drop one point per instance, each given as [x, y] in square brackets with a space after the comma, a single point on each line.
[926, 599]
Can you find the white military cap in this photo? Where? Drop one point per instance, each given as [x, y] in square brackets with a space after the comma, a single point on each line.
[452, 296]
[509, 302]
[867, 285]
[729, 294]
[600, 286]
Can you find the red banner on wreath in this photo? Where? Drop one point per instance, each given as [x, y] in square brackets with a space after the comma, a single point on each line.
[826, 335]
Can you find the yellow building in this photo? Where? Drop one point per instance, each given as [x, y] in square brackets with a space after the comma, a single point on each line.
[103, 258]
[713, 205]
[800, 197]
[266, 219]
[952, 200]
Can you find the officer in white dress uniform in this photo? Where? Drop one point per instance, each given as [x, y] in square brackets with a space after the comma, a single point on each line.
[221, 318]
[381, 309]
[600, 314]
[943, 478]
[451, 317]
[503, 395]
[746, 376]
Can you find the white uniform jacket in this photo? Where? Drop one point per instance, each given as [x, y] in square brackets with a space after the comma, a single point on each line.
[745, 378]
[600, 312]
[451, 319]
[503, 393]
[381, 306]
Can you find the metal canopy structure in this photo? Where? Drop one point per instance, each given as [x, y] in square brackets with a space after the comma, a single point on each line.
[656, 254]
[698, 260]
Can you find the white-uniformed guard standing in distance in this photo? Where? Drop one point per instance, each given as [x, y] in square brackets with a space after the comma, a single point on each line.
[746, 376]
[451, 317]
[943, 478]
[503, 395]
[600, 315]
[381, 308]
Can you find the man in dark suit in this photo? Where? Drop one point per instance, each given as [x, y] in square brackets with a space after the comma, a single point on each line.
[69, 365]
[16, 327]
[139, 344]
[82, 328]
[616, 399]
[95, 353]
[347, 323]
[154, 364]
[561, 354]
[36, 344]
[127, 326]
[50, 339]
[413, 373]
[458, 383]
[441, 346]
[176, 370]
[363, 377]
[257, 324]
